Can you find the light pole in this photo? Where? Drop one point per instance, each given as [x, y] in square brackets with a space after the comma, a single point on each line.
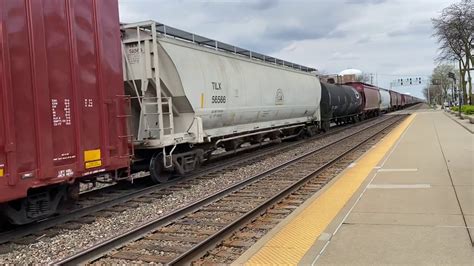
[429, 98]
[453, 77]
[434, 82]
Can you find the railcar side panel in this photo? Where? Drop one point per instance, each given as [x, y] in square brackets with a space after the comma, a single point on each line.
[229, 93]
[339, 101]
[402, 100]
[60, 70]
[372, 98]
[251, 92]
[3, 105]
[395, 99]
[371, 95]
[384, 100]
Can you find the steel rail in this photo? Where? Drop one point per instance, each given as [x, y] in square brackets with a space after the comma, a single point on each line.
[224, 162]
[200, 249]
[102, 248]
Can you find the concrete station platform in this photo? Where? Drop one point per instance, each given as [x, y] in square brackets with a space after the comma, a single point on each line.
[409, 200]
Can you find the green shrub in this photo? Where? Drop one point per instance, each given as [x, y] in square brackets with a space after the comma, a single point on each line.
[466, 109]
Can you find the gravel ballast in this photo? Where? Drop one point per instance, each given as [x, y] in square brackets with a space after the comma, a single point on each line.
[67, 242]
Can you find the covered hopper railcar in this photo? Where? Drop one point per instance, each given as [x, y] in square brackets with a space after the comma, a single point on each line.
[370, 98]
[395, 100]
[403, 101]
[60, 114]
[385, 105]
[192, 95]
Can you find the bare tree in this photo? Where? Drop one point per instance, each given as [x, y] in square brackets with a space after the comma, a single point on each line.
[435, 94]
[440, 78]
[454, 30]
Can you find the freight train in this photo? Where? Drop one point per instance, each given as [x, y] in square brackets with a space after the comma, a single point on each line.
[83, 96]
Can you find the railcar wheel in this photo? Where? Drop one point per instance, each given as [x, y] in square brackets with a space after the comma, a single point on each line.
[157, 171]
[325, 125]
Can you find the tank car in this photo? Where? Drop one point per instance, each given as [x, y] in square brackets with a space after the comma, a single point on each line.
[192, 95]
[339, 104]
[61, 119]
[370, 98]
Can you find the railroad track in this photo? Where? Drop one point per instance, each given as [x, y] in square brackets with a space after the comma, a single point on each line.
[114, 199]
[188, 233]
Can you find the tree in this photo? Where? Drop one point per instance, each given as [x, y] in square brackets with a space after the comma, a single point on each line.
[440, 88]
[440, 78]
[454, 30]
[435, 94]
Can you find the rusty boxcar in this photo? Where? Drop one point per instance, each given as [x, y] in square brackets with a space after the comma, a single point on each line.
[62, 115]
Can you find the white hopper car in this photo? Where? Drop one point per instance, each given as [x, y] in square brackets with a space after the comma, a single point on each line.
[210, 95]
[384, 100]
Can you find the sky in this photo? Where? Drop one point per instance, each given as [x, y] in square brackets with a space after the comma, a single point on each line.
[391, 39]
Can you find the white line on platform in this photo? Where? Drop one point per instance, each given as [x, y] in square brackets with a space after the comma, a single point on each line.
[399, 170]
[397, 186]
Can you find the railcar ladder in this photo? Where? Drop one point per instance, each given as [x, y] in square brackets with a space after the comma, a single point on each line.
[157, 108]
[126, 139]
[163, 110]
[157, 111]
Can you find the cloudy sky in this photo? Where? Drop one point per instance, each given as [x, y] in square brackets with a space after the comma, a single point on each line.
[389, 38]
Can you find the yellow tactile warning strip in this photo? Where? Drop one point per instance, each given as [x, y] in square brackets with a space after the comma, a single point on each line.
[291, 243]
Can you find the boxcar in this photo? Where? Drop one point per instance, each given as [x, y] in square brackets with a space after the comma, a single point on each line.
[370, 98]
[60, 111]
